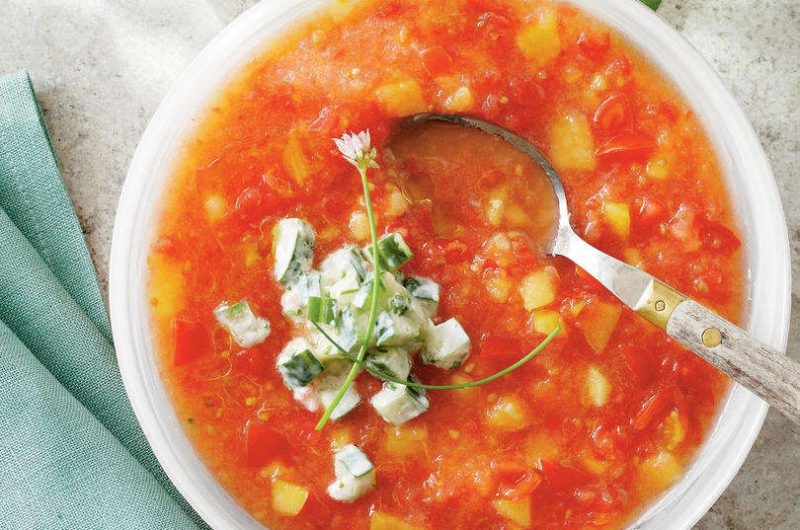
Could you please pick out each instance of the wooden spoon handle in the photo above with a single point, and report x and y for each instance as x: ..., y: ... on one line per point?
x: 766, y: 372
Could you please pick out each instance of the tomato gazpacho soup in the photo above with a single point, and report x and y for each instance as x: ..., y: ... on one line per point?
x: 272, y: 272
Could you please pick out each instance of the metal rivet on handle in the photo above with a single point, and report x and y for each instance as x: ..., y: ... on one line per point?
x: 660, y: 305
x: 712, y: 337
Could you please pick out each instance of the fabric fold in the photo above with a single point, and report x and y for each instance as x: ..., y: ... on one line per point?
x: 72, y: 454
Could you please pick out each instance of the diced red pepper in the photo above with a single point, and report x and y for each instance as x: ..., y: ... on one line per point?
x: 515, y: 480
x: 626, y: 146
x: 192, y: 341
x: 612, y: 113
x: 436, y: 60
x: 594, y: 45
x: 650, y: 409
x: 264, y: 443
x: 717, y: 236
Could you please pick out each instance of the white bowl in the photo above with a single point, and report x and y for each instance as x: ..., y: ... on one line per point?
x: 746, y: 170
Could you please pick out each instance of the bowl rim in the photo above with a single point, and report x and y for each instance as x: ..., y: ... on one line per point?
x: 683, y: 504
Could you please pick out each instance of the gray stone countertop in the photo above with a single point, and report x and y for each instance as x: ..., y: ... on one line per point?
x: 101, y: 67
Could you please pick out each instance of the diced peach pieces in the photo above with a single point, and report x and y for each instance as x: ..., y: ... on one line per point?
x: 618, y: 217
x: 538, y: 40
x: 632, y: 256
x: 461, y: 100
x: 539, y: 446
x: 495, y: 205
x: 405, y: 441
x: 384, y: 521
x: 673, y: 429
x: 597, y: 322
x: 571, y: 143
x: 660, y: 470
x: 168, y: 286
x: 538, y: 288
x: 341, y: 436
x: 597, y: 387
x: 214, y: 206
x: 545, y: 321
x: 509, y: 414
x: 658, y: 168
x: 359, y: 226
x: 518, y: 511
x: 396, y: 203
x: 339, y: 9
x: 294, y: 159
x: 499, y: 286
x: 287, y: 498
x: 401, y: 99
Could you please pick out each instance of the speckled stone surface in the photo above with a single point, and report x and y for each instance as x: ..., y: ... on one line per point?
x: 101, y: 67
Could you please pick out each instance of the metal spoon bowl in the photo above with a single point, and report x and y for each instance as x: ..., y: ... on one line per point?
x: 763, y: 370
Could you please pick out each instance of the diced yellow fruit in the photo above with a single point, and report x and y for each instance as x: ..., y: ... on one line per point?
x: 167, y: 287
x: 537, y: 289
x: 576, y: 306
x: 537, y: 447
x: 461, y: 100
x: 341, y: 436
x: 359, y: 226
x: 499, y: 287
x: 597, y: 387
x: 571, y: 74
x: 294, y: 159
x: 658, y: 168
x: 329, y: 233
x: 598, y: 467
x: 404, y: 441
x: 215, y: 207
x: 545, y: 321
x: 661, y: 470
x: 384, y: 521
x: 287, y: 498
x: 538, y: 41
x: 571, y: 143
x: 633, y: 257
x: 401, y: 99
x: 515, y: 215
x: 339, y: 9
x: 674, y: 431
x: 618, y: 217
x: 460, y: 379
x: 508, y: 414
x: 518, y: 511
x: 598, y: 322
x: 397, y: 204
x: 495, y: 205
x: 498, y: 248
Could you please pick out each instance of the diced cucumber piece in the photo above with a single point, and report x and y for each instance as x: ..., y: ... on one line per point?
x: 307, y: 396
x: 391, y: 361
x: 393, y: 330
x: 245, y: 328
x: 353, y: 461
x: 321, y: 310
x: 446, y: 345
x: 363, y: 296
x: 297, y: 364
x: 355, y: 474
x: 393, y: 251
x: 343, y: 271
x: 328, y: 386
x: 398, y: 404
x: 422, y: 288
x: 399, y: 305
x: 293, y: 244
x: 347, y: 329
x: 326, y: 353
x: 295, y: 299
x: 425, y: 291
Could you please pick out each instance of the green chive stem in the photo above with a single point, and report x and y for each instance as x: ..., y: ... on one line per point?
x: 373, y: 308
x: 497, y: 375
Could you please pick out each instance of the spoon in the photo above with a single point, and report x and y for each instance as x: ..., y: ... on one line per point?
x: 763, y: 370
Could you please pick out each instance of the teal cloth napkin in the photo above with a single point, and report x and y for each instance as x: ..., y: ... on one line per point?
x: 72, y: 455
